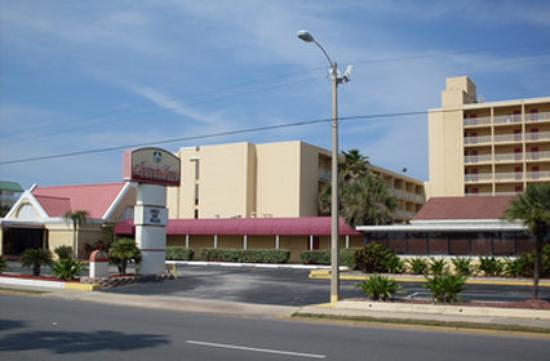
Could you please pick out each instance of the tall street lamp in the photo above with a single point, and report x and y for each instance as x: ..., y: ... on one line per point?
x: 336, y: 80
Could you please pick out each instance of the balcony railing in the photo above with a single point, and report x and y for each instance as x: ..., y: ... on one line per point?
x: 515, y: 137
x: 477, y: 139
x: 477, y: 121
x: 507, y: 119
x: 537, y: 117
x: 538, y: 155
x: 506, y: 176
x: 535, y: 175
x: 534, y: 136
x: 324, y: 175
x: 479, y: 177
x: 472, y: 159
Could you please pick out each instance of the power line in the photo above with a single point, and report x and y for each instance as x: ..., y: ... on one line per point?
x: 206, y: 136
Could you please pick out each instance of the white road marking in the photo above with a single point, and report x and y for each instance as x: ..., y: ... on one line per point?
x: 253, y: 349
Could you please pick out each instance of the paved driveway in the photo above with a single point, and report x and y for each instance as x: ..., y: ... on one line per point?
x: 287, y: 287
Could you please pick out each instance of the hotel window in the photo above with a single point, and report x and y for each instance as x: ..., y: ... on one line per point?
x: 534, y: 114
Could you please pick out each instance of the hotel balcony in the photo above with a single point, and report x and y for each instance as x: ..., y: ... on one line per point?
x: 537, y: 117
x: 544, y: 155
x: 508, y: 157
x: 508, y: 176
x: 477, y: 140
x: 479, y: 177
x: 507, y: 119
x: 325, y: 175
x: 472, y: 122
x: 538, y: 175
x: 504, y: 138
x: 408, y: 196
x: 537, y: 136
x: 475, y: 159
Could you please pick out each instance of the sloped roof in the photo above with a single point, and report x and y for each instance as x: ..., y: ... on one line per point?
x: 296, y: 226
x: 93, y: 198
x: 455, y: 208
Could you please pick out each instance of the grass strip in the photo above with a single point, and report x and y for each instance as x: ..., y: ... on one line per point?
x: 408, y: 321
x: 19, y: 291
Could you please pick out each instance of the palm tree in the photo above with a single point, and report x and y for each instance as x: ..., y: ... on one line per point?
x: 533, y: 209
x: 36, y: 258
x: 353, y: 164
x: 77, y: 218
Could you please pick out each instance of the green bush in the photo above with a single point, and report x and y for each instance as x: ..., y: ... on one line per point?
x: 246, y: 256
x: 347, y: 257
x: 524, y: 265
x: 491, y: 266
x: 67, y: 269
x: 36, y: 258
x: 395, y: 265
x: 379, y: 287
x: 122, y: 251
x: 3, y: 264
x: 418, y: 266
x: 179, y: 254
x: 375, y: 258
x: 64, y: 252
x: 445, y: 287
x: 438, y: 266
x: 463, y: 266
x: 516, y: 267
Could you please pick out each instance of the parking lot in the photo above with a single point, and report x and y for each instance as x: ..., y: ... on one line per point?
x: 289, y: 287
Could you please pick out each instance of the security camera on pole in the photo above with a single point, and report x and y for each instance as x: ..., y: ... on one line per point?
x: 153, y: 169
x: 337, y: 79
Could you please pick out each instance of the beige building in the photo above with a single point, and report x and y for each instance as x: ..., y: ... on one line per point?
x: 266, y: 180
x: 486, y: 148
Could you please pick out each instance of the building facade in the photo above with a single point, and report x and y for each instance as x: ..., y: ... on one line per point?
x: 243, y: 180
x: 486, y: 148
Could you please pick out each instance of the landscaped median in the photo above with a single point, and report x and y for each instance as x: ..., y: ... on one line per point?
x: 498, y: 281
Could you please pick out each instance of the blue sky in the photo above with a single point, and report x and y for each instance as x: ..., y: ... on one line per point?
x: 93, y: 74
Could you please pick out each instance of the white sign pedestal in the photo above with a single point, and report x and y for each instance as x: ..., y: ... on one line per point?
x: 150, y: 219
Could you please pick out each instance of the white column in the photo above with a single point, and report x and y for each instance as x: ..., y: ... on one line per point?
x: 150, y: 217
x: 245, y: 242
x: 311, y: 242
x: 347, y: 241
x: 277, y: 242
x: 215, y: 241
x: 187, y: 241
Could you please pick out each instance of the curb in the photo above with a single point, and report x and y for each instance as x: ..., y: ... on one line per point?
x: 324, y: 275
x: 253, y: 265
x: 48, y: 284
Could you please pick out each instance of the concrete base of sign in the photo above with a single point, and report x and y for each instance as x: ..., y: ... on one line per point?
x: 99, y: 270
x: 152, y: 262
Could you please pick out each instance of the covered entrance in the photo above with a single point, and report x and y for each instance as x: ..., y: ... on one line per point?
x: 17, y: 238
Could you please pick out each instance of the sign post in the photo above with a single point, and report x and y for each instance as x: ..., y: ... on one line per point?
x: 153, y: 169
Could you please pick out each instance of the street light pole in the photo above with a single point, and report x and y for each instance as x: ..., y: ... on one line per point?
x: 334, y: 229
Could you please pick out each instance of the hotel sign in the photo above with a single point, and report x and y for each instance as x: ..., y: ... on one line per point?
x: 152, y: 165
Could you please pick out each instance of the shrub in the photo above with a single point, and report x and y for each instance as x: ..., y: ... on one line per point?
x: 418, y: 266
x: 514, y: 267
x: 315, y: 257
x: 463, y: 266
x: 123, y: 251
x: 445, y: 287
x: 67, y: 269
x: 379, y: 287
x: 438, y: 266
x: 347, y: 258
x: 246, y: 256
x: 64, y: 252
x: 375, y: 258
x: 395, y: 265
x: 490, y: 266
x: 179, y: 254
x: 3, y: 264
x: 36, y: 258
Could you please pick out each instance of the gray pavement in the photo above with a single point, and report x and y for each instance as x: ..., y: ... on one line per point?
x: 42, y: 328
x: 289, y: 287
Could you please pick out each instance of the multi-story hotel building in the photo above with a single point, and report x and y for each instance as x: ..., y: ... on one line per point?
x: 486, y: 148
x: 280, y: 179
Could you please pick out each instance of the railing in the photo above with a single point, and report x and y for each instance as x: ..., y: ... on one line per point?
x: 477, y: 121
x: 534, y: 136
x: 324, y: 175
x: 477, y: 139
x: 514, y: 137
x: 469, y: 159
x: 509, y: 176
x: 507, y: 119
x: 537, y: 117
x: 538, y: 155
x: 534, y: 175
x: 478, y: 177
x: 503, y: 157
x: 408, y: 196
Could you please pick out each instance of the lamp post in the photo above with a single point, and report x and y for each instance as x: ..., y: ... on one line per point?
x: 334, y: 229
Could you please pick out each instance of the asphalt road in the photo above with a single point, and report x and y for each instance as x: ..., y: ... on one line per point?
x: 290, y: 287
x: 43, y: 329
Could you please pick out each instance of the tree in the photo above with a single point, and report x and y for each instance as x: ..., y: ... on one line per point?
x: 122, y: 251
x: 533, y: 209
x: 77, y: 218
x: 36, y: 258
x: 364, y: 197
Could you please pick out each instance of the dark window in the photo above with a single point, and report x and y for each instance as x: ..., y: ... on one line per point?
x: 417, y: 243
x: 459, y: 243
x: 438, y: 243
x: 196, y: 213
x: 481, y: 244
x: 397, y: 242
x: 504, y: 244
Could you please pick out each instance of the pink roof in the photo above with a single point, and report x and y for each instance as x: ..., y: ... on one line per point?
x: 299, y: 226
x: 93, y: 198
x: 474, y: 207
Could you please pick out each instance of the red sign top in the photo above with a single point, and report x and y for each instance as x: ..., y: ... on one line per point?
x: 152, y: 165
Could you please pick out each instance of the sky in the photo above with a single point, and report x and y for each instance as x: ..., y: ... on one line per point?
x: 86, y: 75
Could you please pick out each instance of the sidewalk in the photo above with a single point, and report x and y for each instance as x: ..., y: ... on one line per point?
x: 408, y: 278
